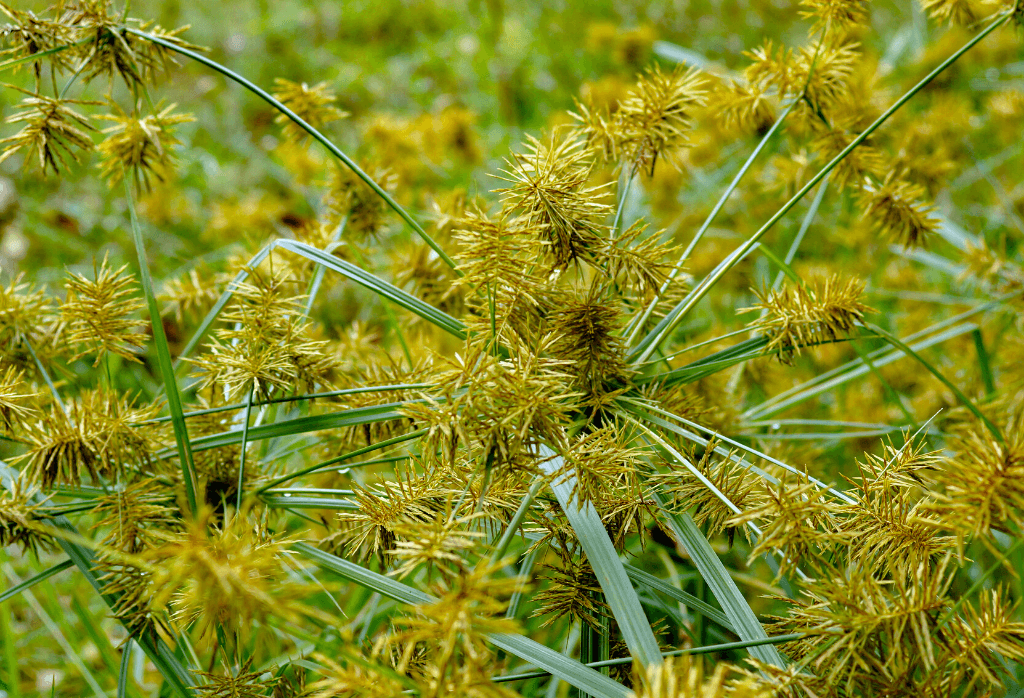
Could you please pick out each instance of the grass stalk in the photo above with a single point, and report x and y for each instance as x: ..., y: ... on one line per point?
x: 656, y: 336
x: 317, y: 136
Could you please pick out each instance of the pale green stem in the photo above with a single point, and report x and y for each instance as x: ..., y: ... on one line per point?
x: 517, y: 519
x: 46, y: 377
x: 811, y: 213
x: 241, y: 455
x: 319, y: 137
x: 658, y: 334
x: 635, y: 329
x: 623, y: 195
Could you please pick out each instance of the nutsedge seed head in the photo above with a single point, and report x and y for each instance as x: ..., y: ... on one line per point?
x: 801, y: 316
x: 96, y: 315
x: 897, y: 211
x: 981, y: 486
x: 101, y: 435
x: 314, y: 105
x: 140, y: 145
x: 549, y: 189
x: 52, y: 131
x: 227, y: 573
x: 24, y: 314
x: 834, y: 16
x: 20, y: 517
x: 15, y: 405
x: 653, y: 120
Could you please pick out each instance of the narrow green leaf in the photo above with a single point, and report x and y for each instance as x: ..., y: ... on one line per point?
x: 805, y: 225
x: 242, y: 449
x: 567, y: 669
x: 319, y: 137
x: 638, y: 409
x: 783, y: 266
x: 36, y: 56
x: 304, y: 425
x: 32, y: 581
x: 163, y: 354
x: 286, y: 502
x: 722, y: 586
x: 122, y: 675
x: 713, y: 363
x: 297, y: 398
x: 382, y: 288
x: 603, y: 558
x: 513, y: 525
x: 706, y: 649
x: 344, y: 457
x: 691, y: 601
x: 984, y: 365
x: 964, y: 400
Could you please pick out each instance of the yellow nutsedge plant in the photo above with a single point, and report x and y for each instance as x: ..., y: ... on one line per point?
x: 365, y: 429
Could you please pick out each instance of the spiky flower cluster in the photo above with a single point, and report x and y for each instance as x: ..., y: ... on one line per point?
x: 311, y: 104
x: 227, y: 574
x: 651, y: 122
x: 142, y: 146
x: 266, y: 347
x: 98, y: 435
x: 801, y: 316
x: 97, y: 313
x: 22, y: 519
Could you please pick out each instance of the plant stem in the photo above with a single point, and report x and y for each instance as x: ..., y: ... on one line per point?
x: 241, y: 455
x: 643, y: 317
x: 317, y: 136
x: 646, y: 347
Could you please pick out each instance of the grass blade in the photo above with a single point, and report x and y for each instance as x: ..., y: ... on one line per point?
x: 603, y: 558
x: 344, y: 457
x: 122, y: 675
x: 380, y: 287
x: 319, y: 137
x: 691, y: 601
x: 964, y: 400
x: 163, y: 354
x: 812, y: 211
x: 713, y: 363
x: 706, y: 649
x: 654, y: 338
x: 513, y: 525
x: 722, y: 586
x: 304, y: 425
x: 32, y: 581
x: 984, y: 365
x: 569, y: 670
